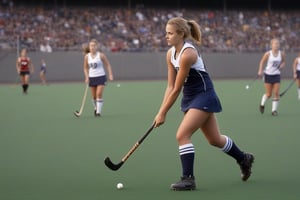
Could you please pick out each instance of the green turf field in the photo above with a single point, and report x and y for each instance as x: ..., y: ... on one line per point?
x: 46, y: 153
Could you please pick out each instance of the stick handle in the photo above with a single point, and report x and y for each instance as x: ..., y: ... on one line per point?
x: 137, y: 144
x: 84, y: 98
x: 289, y: 86
x: 146, y: 134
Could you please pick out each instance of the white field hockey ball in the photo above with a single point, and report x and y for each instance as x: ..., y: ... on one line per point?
x: 120, y: 186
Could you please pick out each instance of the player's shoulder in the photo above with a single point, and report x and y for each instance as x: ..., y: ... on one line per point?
x: 189, y: 52
x: 102, y: 55
x: 86, y: 56
x: 297, y: 58
x: 169, y: 53
x: 189, y: 46
x: 267, y: 54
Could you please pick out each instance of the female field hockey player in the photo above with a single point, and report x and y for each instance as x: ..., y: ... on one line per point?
x: 23, y: 65
x: 95, y: 75
x: 273, y: 61
x: 199, y: 103
x: 43, y: 72
x: 296, y: 73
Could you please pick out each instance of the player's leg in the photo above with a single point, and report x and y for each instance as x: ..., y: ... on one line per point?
x: 265, y: 97
x: 26, y: 82
x: 298, y: 83
x: 275, y: 101
x: 191, y: 122
x: 226, y: 144
x: 22, y: 81
x: 43, y: 76
x: 99, y: 99
x: 93, y: 93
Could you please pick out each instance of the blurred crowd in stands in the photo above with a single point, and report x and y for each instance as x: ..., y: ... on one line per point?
x: 143, y: 29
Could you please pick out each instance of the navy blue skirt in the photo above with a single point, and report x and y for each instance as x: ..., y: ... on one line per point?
x: 207, y: 101
x: 272, y: 78
x: 23, y: 73
x: 43, y: 69
x: 95, y: 81
x: 298, y: 74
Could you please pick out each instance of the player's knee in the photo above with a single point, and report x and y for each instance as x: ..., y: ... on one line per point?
x: 216, y: 142
x: 181, y: 138
x: 178, y: 138
x: 213, y: 143
x: 268, y: 95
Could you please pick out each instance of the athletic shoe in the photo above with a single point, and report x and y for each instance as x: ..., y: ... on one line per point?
x: 246, y: 165
x: 186, y: 183
x: 274, y: 113
x: 97, y: 115
x: 261, y: 109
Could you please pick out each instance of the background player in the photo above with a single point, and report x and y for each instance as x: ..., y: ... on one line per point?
x: 186, y: 71
x: 23, y: 65
x: 43, y: 72
x: 296, y: 73
x: 95, y: 74
x: 273, y: 61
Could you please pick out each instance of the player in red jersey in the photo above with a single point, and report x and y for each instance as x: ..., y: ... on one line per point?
x: 23, y: 69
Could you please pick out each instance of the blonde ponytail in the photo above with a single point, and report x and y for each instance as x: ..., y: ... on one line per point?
x: 195, y: 31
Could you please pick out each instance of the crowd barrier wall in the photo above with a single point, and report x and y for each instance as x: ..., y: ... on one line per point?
x: 68, y: 66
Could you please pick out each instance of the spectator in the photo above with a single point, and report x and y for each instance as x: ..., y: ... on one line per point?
x: 140, y: 29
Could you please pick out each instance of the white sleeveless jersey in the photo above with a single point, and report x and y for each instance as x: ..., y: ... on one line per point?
x: 298, y: 64
x: 95, y: 64
x: 273, y: 64
x: 198, y: 65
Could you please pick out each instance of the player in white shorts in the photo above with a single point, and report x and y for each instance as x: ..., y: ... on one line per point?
x: 296, y: 72
x: 273, y: 61
x: 95, y: 74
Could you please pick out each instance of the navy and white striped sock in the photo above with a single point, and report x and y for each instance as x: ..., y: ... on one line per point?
x: 231, y: 149
x: 187, y: 153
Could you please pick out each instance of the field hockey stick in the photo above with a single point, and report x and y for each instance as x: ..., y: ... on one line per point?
x: 251, y: 82
x: 78, y: 113
x: 289, y: 86
x: 115, y: 167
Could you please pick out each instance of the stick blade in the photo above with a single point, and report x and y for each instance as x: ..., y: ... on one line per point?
x: 111, y: 165
x: 76, y: 113
x: 281, y: 94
